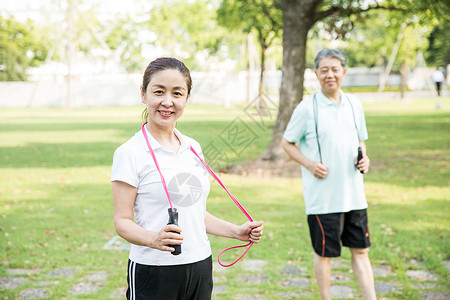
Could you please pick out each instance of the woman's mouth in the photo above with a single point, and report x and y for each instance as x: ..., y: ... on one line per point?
x: 165, y: 113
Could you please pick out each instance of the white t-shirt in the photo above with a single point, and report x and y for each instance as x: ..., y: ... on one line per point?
x: 188, y: 185
x: 437, y: 76
x: 343, y: 188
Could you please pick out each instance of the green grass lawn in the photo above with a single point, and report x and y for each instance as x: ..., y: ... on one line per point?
x: 372, y: 89
x: 56, y: 204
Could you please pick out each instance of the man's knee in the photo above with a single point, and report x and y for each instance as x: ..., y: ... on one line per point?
x: 321, y: 259
x: 360, y: 251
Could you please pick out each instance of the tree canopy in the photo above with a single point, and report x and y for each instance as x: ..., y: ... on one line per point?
x: 299, y: 16
x: 21, y: 46
x: 259, y: 16
x: 371, y: 42
x: 122, y: 37
x: 438, y: 51
x: 188, y: 30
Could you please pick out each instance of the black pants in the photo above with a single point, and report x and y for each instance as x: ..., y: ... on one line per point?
x: 438, y: 87
x: 180, y: 282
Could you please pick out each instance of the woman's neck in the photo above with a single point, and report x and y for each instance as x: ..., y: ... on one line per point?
x: 166, y: 137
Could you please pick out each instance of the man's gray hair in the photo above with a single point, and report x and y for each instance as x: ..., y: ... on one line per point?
x: 331, y: 53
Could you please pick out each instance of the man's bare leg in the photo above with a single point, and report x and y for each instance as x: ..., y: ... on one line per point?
x: 322, y: 269
x: 363, y: 272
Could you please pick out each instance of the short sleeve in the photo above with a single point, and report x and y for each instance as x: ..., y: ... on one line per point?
x: 362, y: 127
x: 360, y: 119
x: 124, y: 166
x: 296, y: 127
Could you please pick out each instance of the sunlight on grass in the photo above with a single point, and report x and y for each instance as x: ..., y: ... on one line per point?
x: 24, y: 138
x: 56, y: 203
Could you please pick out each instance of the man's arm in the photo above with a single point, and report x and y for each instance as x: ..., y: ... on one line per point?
x: 318, y: 169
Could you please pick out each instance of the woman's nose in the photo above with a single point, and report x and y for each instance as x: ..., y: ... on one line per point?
x: 167, y: 101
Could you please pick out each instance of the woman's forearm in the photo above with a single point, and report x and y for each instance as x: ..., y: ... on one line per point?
x: 220, y: 227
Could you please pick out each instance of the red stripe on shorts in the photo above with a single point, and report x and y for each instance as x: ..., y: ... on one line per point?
x: 323, y: 235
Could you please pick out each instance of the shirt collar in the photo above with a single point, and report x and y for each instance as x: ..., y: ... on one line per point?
x: 324, y: 101
x: 155, y: 145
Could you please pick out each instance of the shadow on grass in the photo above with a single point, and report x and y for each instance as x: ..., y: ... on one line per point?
x: 406, y: 150
x: 53, y: 154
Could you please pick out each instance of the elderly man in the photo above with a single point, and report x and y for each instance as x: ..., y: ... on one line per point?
x: 331, y: 129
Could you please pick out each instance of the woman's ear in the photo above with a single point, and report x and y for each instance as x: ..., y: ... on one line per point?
x: 142, y: 95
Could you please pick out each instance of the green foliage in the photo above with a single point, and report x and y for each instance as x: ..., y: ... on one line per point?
x: 123, y: 37
x: 345, y: 13
x: 427, y: 11
x: 262, y: 17
x: 22, y: 46
x: 438, y: 52
x: 370, y: 30
x: 371, y: 42
x: 188, y: 30
x: 363, y: 49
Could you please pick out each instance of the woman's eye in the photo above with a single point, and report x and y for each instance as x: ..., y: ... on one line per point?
x: 158, y: 92
x: 178, y: 94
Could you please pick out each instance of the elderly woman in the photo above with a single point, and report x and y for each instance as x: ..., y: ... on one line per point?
x: 156, y: 155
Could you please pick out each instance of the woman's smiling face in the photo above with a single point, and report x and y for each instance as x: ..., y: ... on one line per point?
x: 166, y: 96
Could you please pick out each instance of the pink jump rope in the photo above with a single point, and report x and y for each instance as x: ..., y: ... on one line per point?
x: 173, y: 214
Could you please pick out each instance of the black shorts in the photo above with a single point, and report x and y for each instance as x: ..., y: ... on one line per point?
x: 328, y: 230
x: 190, y: 281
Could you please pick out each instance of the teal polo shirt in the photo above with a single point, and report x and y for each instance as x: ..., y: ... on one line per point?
x: 343, y: 188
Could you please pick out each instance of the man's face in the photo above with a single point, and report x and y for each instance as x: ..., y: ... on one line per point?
x: 330, y: 74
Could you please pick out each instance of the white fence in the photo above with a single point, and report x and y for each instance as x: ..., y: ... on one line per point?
x: 214, y: 87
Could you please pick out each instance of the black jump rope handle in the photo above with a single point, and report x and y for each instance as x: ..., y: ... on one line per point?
x: 360, y: 156
x: 173, y: 219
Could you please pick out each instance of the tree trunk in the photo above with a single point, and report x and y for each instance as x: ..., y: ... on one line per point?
x: 250, y: 68
x: 297, y: 20
x: 403, y: 73
x: 261, y: 77
x: 70, y: 51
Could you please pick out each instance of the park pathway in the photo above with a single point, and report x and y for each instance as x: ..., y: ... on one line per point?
x: 295, y: 282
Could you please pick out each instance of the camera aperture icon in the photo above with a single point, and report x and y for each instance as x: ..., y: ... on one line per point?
x: 185, y: 189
